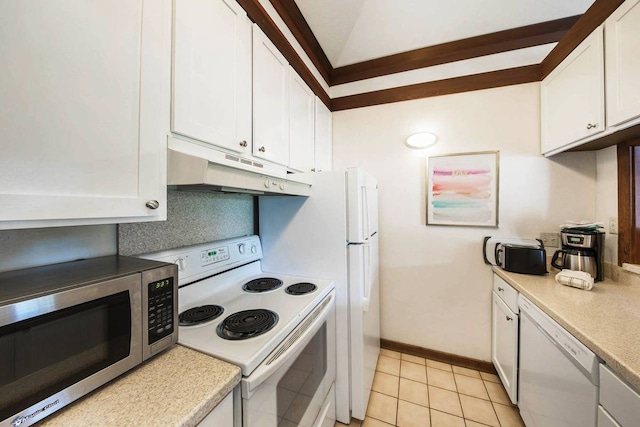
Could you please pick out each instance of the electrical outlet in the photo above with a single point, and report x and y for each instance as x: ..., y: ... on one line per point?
x: 550, y: 240
x: 613, y: 225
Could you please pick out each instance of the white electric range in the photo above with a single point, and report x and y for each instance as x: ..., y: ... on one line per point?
x: 280, y: 329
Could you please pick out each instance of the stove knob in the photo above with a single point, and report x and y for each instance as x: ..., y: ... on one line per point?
x: 267, y: 183
x: 282, y: 185
x: 181, y: 263
x: 242, y: 248
x: 254, y: 249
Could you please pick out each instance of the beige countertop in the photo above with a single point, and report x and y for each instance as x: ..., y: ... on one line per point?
x: 606, y: 319
x: 176, y: 388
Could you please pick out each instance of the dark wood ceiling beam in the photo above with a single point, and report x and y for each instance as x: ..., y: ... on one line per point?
x: 511, y: 76
x: 459, y: 50
x: 291, y: 15
x: 589, y: 21
x: 257, y: 14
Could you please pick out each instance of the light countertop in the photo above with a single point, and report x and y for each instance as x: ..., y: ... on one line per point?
x: 606, y: 319
x: 176, y: 388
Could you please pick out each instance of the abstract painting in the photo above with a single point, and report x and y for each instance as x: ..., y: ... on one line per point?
x: 462, y: 189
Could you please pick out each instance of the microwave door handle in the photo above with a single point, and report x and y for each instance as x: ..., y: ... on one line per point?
x: 286, y: 350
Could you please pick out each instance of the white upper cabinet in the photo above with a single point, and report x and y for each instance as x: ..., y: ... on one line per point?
x: 84, y: 111
x: 270, y: 101
x: 323, y: 137
x: 573, y: 96
x: 622, y: 58
x: 301, y: 124
x: 212, y: 73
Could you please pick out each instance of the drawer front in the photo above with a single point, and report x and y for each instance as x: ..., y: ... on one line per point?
x: 508, y: 294
x: 604, y: 419
x: 620, y: 400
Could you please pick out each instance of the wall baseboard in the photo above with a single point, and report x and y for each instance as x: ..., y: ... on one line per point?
x: 440, y: 356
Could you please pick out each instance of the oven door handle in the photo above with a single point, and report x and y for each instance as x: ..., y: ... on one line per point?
x: 292, y: 346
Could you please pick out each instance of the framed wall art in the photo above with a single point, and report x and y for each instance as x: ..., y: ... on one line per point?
x: 462, y: 189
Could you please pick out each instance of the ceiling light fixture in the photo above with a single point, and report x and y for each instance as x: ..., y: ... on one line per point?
x: 421, y: 140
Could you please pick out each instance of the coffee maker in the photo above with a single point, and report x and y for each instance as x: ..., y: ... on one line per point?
x: 582, y: 250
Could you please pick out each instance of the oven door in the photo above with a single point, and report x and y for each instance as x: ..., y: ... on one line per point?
x: 294, y: 385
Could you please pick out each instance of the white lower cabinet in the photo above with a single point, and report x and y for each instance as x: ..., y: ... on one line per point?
x: 221, y: 415
x: 84, y: 111
x: 504, y: 335
x: 619, y: 402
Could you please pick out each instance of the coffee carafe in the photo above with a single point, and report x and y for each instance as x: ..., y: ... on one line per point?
x: 582, y: 250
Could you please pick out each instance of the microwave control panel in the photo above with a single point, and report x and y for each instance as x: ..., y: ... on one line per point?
x: 160, y: 309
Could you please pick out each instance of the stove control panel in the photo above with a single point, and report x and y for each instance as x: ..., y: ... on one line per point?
x: 211, y: 256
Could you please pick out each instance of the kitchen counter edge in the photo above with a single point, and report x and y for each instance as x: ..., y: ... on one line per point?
x: 605, y: 319
x: 179, y: 387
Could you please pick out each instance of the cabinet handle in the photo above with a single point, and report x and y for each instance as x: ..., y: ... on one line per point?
x: 152, y: 204
x: 262, y: 149
x: 500, y: 289
x: 243, y: 143
x: 592, y: 126
x: 509, y: 318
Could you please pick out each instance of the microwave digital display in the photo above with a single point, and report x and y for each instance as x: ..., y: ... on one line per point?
x: 160, y: 309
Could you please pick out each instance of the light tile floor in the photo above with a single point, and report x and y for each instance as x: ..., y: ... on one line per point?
x: 410, y: 391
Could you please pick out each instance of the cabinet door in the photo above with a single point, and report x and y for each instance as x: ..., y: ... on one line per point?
x: 221, y: 415
x: 270, y: 100
x: 323, y: 143
x: 622, y: 59
x: 301, y: 124
x: 212, y: 73
x: 572, y: 96
x: 504, y: 346
x: 83, y: 111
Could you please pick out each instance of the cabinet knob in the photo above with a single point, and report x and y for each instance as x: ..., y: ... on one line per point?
x: 243, y: 143
x: 592, y: 125
x: 152, y: 204
x: 262, y: 149
x: 509, y: 318
x: 500, y: 289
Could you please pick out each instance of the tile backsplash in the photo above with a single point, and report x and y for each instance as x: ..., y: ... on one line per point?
x: 192, y: 218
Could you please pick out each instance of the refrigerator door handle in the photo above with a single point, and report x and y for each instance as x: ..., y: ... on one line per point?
x: 366, y: 297
x: 365, y: 213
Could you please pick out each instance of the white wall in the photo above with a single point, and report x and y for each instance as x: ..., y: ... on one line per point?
x: 40, y: 246
x: 435, y: 288
x: 607, y: 198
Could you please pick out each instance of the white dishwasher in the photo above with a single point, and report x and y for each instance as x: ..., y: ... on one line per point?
x: 558, y: 381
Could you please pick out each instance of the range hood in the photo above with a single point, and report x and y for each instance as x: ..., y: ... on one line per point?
x: 195, y: 168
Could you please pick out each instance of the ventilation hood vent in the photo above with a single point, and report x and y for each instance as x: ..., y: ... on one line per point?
x: 232, y: 174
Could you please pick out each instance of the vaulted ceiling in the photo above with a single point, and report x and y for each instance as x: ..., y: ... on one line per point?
x: 351, y: 31
x: 355, y: 53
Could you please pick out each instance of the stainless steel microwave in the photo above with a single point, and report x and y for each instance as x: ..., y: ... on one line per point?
x: 66, y: 329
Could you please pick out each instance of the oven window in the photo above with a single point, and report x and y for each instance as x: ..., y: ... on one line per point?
x: 297, y: 388
x: 45, y: 354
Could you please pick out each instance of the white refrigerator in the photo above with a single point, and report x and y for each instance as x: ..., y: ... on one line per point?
x: 333, y: 234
